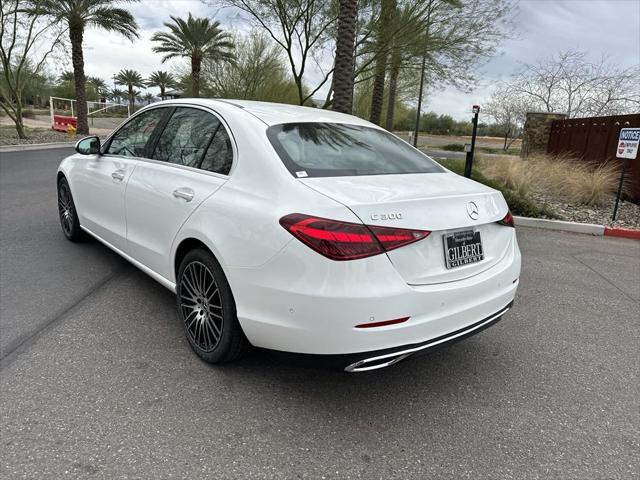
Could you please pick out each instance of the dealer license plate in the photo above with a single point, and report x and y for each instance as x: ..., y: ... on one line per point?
x: 462, y: 248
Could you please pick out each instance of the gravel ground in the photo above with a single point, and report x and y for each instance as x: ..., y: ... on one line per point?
x: 8, y: 136
x: 628, y: 213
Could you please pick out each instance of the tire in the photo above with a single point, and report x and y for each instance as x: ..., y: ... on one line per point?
x: 207, y: 310
x: 67, y: 213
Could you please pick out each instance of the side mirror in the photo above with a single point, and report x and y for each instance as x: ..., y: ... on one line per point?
x: 88, y: 146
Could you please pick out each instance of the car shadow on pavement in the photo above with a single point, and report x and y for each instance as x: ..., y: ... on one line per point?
x: 461, y: 373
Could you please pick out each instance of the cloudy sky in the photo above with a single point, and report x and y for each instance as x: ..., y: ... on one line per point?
x: 543, y: 27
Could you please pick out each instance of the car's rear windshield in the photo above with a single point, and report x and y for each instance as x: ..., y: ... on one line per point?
x: 337, y: 150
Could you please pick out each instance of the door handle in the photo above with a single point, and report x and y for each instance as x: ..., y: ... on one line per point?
x: 184, y: 193
x: 118, y: 175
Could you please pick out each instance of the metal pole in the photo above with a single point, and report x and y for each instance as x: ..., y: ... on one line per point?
x: 51, y: 110
x: 619, y: 194
x: 468, y: 165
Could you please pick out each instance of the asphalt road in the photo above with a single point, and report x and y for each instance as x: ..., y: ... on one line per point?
x: 97, y: 381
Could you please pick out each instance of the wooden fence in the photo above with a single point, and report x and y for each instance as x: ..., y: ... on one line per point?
x: 595, y: 139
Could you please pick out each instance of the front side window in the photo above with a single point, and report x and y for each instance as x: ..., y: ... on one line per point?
x: 336, y: 149
x: 132, y: 138
x: 186, y: 137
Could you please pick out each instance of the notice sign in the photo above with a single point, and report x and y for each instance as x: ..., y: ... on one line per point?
x: 628, y: 143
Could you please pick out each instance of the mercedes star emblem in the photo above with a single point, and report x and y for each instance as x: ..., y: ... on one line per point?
x: 472, y: 210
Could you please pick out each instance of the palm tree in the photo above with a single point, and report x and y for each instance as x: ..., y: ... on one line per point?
x: 148, y: 97
x: 405, y: 45
x: 78, y: 15
x: 384, y: 33
x: 66, y: 77
x: 196, y: 39
x: 99, y: 86
x: 65, y: 86
x: 344, y: 63
x: 116, y: 94
x: 131, y: 79
x: 162, y: 80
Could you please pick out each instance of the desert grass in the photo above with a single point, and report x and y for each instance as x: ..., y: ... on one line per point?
x: 565, y: 178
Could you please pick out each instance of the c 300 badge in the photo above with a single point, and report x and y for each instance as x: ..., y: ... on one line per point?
x: 386, y: 216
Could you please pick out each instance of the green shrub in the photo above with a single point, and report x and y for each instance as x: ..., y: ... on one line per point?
x: 28, y: 113
x: 498, y: 151
x: 452, y: 147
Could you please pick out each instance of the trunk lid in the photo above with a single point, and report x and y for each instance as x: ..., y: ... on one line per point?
x: 438, y: 202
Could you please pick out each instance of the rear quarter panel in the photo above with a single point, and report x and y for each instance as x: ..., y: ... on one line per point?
x: 239, y: 223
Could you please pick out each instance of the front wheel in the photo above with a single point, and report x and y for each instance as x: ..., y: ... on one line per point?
x: 67, y: 212
x: 207, y: 309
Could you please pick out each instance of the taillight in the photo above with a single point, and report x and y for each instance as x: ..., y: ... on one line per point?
x: 347, y: 241
x: 507, y: 221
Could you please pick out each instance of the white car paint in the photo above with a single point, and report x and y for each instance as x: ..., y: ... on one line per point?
x: 289, y: 297
x: 103, y: 213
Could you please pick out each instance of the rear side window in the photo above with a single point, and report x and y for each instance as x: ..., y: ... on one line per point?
x: 219, y: 156
x: 336, y: 149
x: 132, y: 138
x: 186, y: 137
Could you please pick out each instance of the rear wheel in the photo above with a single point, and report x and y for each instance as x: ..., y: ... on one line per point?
x: 67, y: 212
x: 207, y: 309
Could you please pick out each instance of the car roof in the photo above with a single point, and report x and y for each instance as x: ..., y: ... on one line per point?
x: 276, y: 113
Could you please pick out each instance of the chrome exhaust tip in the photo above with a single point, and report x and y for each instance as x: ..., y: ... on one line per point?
x: 375, y: 363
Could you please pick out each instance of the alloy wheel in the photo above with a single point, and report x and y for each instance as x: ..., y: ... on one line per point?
x: 201, y: 306
x: 65, y: 208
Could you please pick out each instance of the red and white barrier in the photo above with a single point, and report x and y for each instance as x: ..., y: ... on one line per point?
x: 61, y: 123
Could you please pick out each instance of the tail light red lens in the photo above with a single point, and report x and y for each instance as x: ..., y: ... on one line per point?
x: 347, y: 241
x: 507, y: 221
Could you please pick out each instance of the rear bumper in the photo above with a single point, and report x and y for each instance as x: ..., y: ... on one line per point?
x: 367, y: 361
x: 385, y: 358
x: 300, y: 302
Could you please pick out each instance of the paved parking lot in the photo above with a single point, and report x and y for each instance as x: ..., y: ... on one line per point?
x: 97, y: 380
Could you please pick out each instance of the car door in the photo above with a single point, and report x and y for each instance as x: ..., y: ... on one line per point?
x: 190, y: 160
x: 99, y: 184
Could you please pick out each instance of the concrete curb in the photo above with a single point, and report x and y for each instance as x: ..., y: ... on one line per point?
x: 588, y: 228
x: 34, y: 146
x: 622, y: 232
x: 585, y: 228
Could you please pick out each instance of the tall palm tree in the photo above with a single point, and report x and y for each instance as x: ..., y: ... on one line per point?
x: 196, y: 39
x: 78, y: 15
x: 162, y: 80
x: 344, y: 63
x: 66, y: 76
x: 405, y: 45
x: 383, y: 38
x: 131, y: 79
x: 99, y: 86
x: 116, y: 94
x: 65, y: 85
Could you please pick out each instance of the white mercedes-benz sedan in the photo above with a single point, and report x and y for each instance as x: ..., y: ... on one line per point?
x: 294, y: 229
